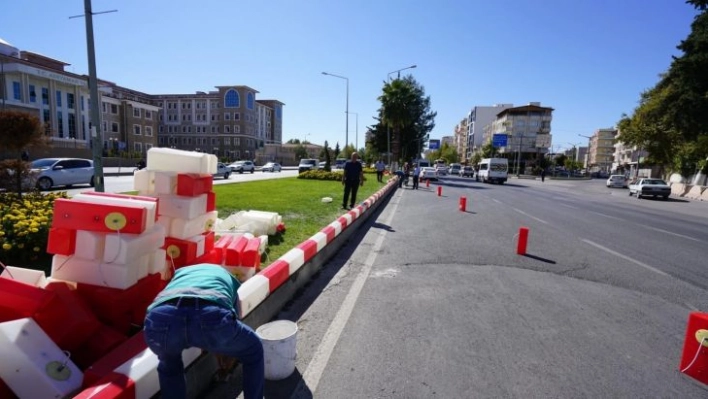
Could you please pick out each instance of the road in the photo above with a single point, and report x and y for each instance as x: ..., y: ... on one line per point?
x: 121, y: 184
x: 429, y: 301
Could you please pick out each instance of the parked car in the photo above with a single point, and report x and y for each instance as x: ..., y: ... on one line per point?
x: 243, y: 166
x: 271, y: 167
x: 455, y: 169
x: 51, y: 172
x: 428, y: 174
x: 222, y: 171
x: 650, y: 188
x: 307, y: 164
x: 617, y: 181
x: 466, y: 171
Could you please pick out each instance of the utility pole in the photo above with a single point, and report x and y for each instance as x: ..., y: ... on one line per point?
x: 96, y: 133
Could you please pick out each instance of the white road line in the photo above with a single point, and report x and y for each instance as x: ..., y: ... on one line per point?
x: 607, y: 216
x: 567, y: 206
x: 636, y: 262
x: 532, y: 217
x: 313, y: 373
x: 669, y: 232
x: 496, y: 200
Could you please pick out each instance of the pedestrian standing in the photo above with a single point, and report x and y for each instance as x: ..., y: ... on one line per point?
x: 416, y: 176
x: 379, y: 170
x: 352, y: 178
x: 543, y: 175
x: 198, y: 308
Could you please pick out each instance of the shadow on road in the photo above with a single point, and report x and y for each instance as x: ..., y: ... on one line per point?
x: 540, y: 258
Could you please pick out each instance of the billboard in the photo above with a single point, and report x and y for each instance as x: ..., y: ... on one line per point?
x: 434, y: 144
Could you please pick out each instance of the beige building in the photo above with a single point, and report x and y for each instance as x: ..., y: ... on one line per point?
x: 626, y: 158
x: 527, y: 128
x: 460, y: 140
x: 601, y: 150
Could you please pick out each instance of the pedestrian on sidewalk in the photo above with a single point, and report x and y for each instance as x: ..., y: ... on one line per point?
x: 543, y: 175
x: 379, y: 170
x: 416, y: 176
x: 199, y: 309
x: 352, y: 178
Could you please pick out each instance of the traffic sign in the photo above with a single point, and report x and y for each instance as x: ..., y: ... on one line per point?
x: 434, y: 144
x: 499, y: 140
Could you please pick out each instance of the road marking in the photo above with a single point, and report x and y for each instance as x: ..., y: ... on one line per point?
x: 532, y: 217
x: 625, y: 257
x: 607, y: 216
x: 567, y: 206
x: 311, y: 378
x: 496, y: 200
x: 669, y: 232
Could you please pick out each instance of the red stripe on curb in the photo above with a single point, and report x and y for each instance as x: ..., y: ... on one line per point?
x: 277, y: 273
x: 330, y: 232
x: 343, y: 221
x: 309, y: 247
x: 112, y: 386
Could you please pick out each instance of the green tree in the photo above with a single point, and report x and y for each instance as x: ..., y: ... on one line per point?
x: 21, y: 132
x: 336, y: 151
x: 560, y: 160
x: 325, y: 154
x: 293, y: 141
x: 300, y: 151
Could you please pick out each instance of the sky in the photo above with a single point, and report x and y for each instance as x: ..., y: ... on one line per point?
x: 588, y: 59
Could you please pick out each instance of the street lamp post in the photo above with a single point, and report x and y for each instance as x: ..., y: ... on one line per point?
x: 587, y: 164
x: 356, y: 131
x: 388, y: 128
x: 346, y: 111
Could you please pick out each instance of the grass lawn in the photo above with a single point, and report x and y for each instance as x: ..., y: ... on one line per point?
x: 298, y: 201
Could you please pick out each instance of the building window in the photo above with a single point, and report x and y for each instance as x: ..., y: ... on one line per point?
x: 45, y: 117
x: 33, y: 94
x: 60, y: 124
x: 231, y: 99
x: 278, y: 111
x: 161, y: 129
x: 104, y: 106
x: 237, y: 129
x: 227, y: 129
x: 82, y: 103
x: 227, y: 141
x: 114, y: 109
x: 17, y: 91
x: 72, y: 126
x: 137, y: 130
x: 45, y: 96
x: 138, y: 147
x: 227, y: 116
x: 58, y: 93
x: 250, y: 100
x: 148, y: 146
x: 214, y: 141
x: 136, y: 112
x: 237, y: 116
x: 70, y: 100
x: 237, y: 141
x: 148, y: 114
x: 114, y: 127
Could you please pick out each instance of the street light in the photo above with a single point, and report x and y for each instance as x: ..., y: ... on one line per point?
x: 388, y: 128
x: 356, y: 140
x: 587, y: 154
x: 346, y: 111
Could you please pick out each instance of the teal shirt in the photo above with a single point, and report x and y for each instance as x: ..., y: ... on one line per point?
x: 204, y: 281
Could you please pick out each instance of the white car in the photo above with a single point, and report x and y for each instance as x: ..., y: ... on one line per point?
x: 243, y: 166
x: 50, y: 172
x: 222, y: 171
x: 271, y: 167
x: 617, y: 181
x: 428, y: 174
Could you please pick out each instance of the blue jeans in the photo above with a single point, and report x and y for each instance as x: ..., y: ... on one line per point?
x: 169, y: 329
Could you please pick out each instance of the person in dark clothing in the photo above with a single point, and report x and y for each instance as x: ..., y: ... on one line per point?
x: 199, y: 308
x: 352, y: 178
x: 141, y: 164
x: 543, y: 175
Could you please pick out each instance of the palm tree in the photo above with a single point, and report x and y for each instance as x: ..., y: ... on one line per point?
x: 397, y: 110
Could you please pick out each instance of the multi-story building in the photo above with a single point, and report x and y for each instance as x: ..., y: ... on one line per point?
x: 626, y: 158
x: 477, y: 119
x: 228, y: 122
x: 528, y: 129
x: 460, y: 141
x: 601, y: 150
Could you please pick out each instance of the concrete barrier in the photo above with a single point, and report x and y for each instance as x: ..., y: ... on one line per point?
x: 695, y: 192
x: 678, y: 189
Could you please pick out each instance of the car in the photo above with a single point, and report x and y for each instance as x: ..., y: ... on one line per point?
x: 307, y: 164
x: 648, y: 187
x: 617, y: 181
x: 322, y: 165
x: 271, y: 167
x: 441, y: 170
x: 466, y: 171
x: 243, y: 166
x: 52, y: 172
x: 428, y: 173
x: 222, y: 171
x: 455, y: 169
x: 339, y: 163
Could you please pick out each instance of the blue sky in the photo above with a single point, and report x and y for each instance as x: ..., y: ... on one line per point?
x: 588, y: 59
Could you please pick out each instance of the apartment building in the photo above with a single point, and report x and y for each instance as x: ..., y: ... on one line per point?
x: 460, y: 140
x: 477, y: 119
x: 527, y: 128
x: 601, y: 150
x: 626, y: 158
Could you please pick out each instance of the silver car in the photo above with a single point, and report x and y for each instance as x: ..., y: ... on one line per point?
x: 617, y: 181
x: 271, y: 167
x: 51, y: 172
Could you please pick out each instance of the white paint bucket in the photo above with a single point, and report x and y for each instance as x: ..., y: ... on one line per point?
x: 279, y: 348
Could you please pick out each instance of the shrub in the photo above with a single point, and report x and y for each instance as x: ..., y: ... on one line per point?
x: 320, y: 175
x: 25, y: 225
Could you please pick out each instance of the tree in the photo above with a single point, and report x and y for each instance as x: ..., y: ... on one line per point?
x: 301, y: 151
x: 336, y: 150
x: 293, y: 141
x: 325, y: 154
x: 21, y: 132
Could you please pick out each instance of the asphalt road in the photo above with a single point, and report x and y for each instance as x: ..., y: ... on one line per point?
x: 429, y: 301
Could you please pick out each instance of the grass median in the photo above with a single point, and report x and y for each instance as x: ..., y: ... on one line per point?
x: 298, y: 201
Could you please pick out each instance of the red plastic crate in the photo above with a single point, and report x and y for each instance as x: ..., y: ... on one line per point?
x: 61, y: 241
x: 234, y: 251
x: 97, y: 346
x: 129, y: 197
x: 19, y: 300
x: 181, y: 252
x: 697, y: 323
x: 76, y: 215
x: 211, y: 201
x: 250, y: 256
